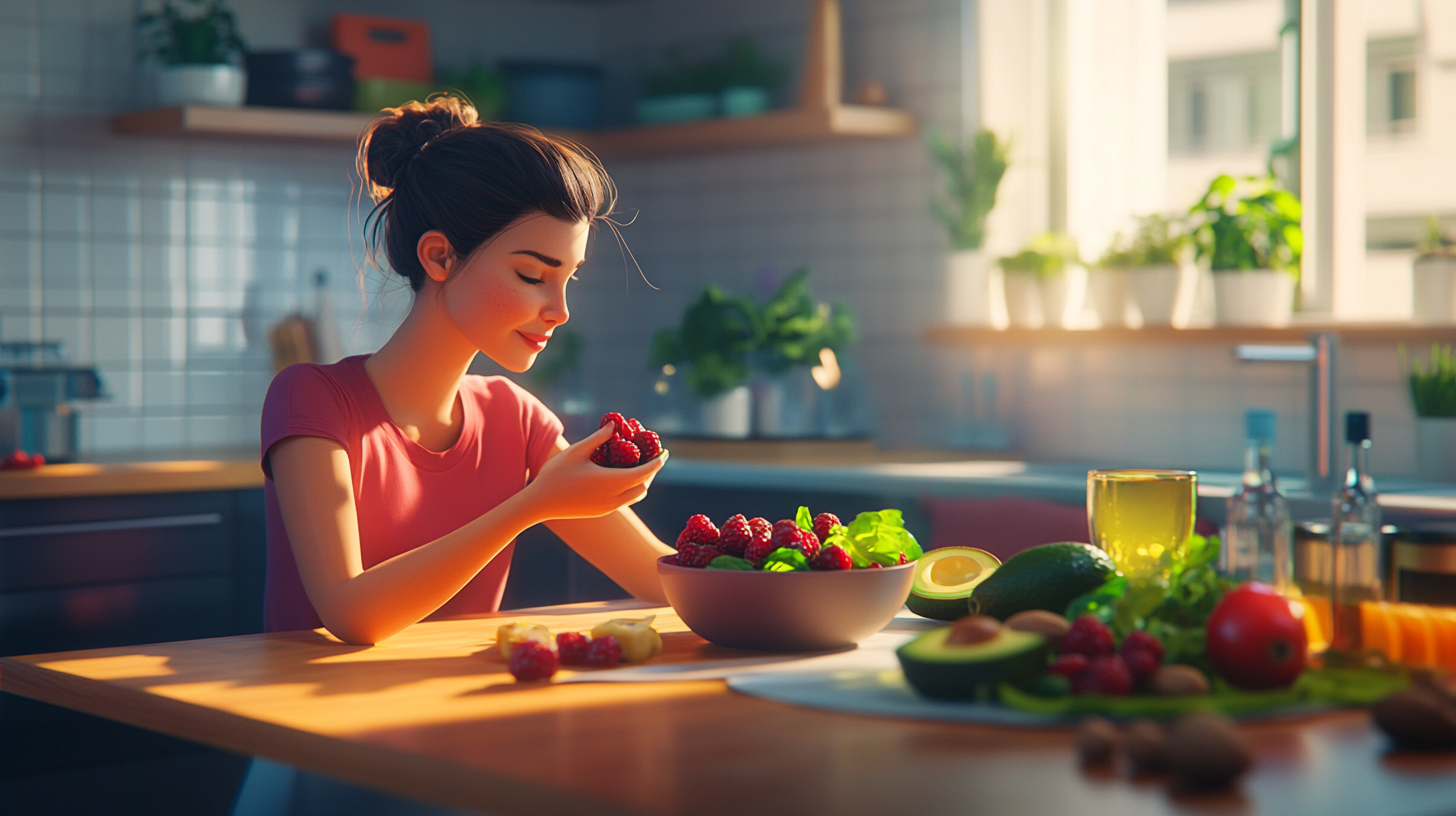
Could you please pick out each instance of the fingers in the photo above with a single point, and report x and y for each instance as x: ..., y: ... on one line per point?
x: 587, y: 445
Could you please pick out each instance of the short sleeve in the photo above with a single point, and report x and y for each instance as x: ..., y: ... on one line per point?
x: 303, y: 400
x: 542, y: 428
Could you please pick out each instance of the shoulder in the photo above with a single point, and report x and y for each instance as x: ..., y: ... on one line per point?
x: 310, y: 380
x: 501, y: 392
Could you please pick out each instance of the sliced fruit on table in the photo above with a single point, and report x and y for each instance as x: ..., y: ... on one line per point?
x: 941, y: 669
x: 639, y: 641
x: 1047, y: 577
x: 945, y: 578
x: 1417, y: 636
x: 1378, y: 630
x: 508, y: 635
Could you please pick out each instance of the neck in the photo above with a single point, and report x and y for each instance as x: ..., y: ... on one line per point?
x: 417, y: 372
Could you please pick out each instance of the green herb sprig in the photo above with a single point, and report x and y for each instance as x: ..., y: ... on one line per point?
x: 189, y: 32
x: 1046, y: 255
x: 1433, y: 382
x: 973, y: 173
x: 1160, y: 240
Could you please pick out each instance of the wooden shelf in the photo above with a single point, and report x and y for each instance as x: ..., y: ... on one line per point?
x: 1353, y: 333
x: 786, y: 127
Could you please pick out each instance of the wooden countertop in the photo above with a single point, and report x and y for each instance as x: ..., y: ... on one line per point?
x: 432, y: 715
x: 89, y: 479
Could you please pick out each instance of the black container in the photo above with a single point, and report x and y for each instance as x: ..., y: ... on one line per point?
x: 553, y: 94
x: 300, y: 78
x: 1425, y: 564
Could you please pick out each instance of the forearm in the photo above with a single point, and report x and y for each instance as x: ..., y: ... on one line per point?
x: 392, y: 595
x: 620, y: 545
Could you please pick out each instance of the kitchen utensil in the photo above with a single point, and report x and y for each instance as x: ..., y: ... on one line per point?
x: 785, y: 611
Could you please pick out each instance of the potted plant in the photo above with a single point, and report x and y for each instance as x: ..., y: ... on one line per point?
x: 1137, y: 280
x: 973, y: 173
x: 1248, y: 231
x: 1433, y: 278
x: 194, y: 53
x: 795, y: 331
x: 1433, y: 393
x: 717, y: 334
x: 749, y: 81
x: 1038, y: 283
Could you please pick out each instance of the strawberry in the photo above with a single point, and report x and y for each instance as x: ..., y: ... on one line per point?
x: 532, y: 660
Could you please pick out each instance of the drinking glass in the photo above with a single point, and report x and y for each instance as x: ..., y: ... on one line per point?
x: 1141, y: 518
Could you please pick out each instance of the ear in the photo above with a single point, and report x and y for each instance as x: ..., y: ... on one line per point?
x: 436, y: 255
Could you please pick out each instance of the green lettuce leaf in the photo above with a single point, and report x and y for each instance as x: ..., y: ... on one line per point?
x: 729, y: 562
x: 876, y: 538
x: 784, y: 559
x: 804, y: 520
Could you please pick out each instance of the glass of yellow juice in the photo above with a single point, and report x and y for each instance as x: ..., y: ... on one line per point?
x: 1141, y: 518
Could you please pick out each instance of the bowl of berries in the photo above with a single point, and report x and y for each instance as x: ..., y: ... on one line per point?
x: 801, y: 584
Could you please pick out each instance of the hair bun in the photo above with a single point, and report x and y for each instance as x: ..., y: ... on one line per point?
x: 393, y: 141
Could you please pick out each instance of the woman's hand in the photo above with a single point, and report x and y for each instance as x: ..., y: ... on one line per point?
x: 571, y: 486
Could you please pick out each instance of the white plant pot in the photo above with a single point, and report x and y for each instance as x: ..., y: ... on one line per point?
x: 1262, y: 297
x: 1023, y: 301
x: 1107, y: 289
x: 1433, y: 291
x: 1063, y: 298
x: 968, y: 288
x: 1436, y: 448
x: 224, y: 85
x: 1153, y: 291
x: 728, y: 415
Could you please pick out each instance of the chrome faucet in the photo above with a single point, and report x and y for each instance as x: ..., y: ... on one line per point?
x: 1321, y: 473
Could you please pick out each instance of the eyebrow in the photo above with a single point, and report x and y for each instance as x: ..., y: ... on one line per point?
x: 545, y: 259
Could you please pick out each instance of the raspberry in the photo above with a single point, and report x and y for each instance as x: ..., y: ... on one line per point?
x: 619, y: 429
x: 571, y: 646
x: 904, y: 559
x: 649, y: 444
x: 822, y: 523
x: 599, y: 455
x: 699, y: 530
x: 808, y: 544
x: 621, y: 453
x: 1087, y: 636
x: 874, y: 565
x: 785, y: 534
x: 1070, y: 665
x: 634, y: 430
x: 832, y: 557
x: 761, y: 527
x: 532, y: 660
x: 1143, y: 653
x: 735, y: 536
x: 1106, y: 674
x: 757, y: 551
x: 604, y: 652
x: 696, y: 555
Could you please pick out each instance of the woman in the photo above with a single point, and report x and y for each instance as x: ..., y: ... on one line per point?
x: 396, y: 482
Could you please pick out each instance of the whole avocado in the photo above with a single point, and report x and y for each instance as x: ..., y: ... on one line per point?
x: 1047, y: 577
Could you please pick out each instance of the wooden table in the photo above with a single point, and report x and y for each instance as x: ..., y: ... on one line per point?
x: 431, y: 714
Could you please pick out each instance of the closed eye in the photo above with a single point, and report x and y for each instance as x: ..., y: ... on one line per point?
x: 530, y: 280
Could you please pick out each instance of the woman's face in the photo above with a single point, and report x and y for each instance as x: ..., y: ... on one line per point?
x: 510, y: 295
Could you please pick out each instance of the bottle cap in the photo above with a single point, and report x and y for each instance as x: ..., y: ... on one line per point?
x: 1259, y: 425
x: 1357, y: 427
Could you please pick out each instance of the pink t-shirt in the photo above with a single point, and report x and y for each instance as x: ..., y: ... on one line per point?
x: 405, y: 495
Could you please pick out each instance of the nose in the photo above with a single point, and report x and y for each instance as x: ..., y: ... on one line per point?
x: 555, y: 312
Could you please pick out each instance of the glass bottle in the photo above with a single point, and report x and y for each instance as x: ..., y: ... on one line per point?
x: 1355, y: 540
x: 1258, y: 542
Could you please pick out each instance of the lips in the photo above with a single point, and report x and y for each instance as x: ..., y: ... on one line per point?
x: 535, y: 342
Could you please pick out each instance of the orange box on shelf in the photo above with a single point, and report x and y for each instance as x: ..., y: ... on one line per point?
x: 385, y: 47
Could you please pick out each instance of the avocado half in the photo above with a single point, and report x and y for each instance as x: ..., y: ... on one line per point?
x: 945, y: 579
x: 966, y: 672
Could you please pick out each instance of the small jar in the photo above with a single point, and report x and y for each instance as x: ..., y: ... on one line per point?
x: 1424, y: 565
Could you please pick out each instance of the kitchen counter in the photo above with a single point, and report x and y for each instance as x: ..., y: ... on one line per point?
x: 432, y: 715
x: 123, y: 478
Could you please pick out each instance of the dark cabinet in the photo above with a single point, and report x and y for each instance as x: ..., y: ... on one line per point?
x: 87, y: 572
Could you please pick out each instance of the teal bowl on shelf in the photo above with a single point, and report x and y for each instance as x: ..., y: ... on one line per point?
x: 683, y: 107
x: 743, y: 101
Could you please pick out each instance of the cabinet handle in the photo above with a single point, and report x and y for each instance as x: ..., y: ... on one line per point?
x: 196, y: 520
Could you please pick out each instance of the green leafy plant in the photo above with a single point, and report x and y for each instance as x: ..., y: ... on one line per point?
x: 745, y: 67
x: 741, y: 66
x: 718, y: 333
x: 1433, y: 382
x: 722, y: 335
x: 1435, y: 244
x: 794, y: 326
x: 1160, y: 240
x: 1046, y: 255
x: 1249, y: 223
x: 1175, y: 610
x: 973, y: 173
x: 189, y: 32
